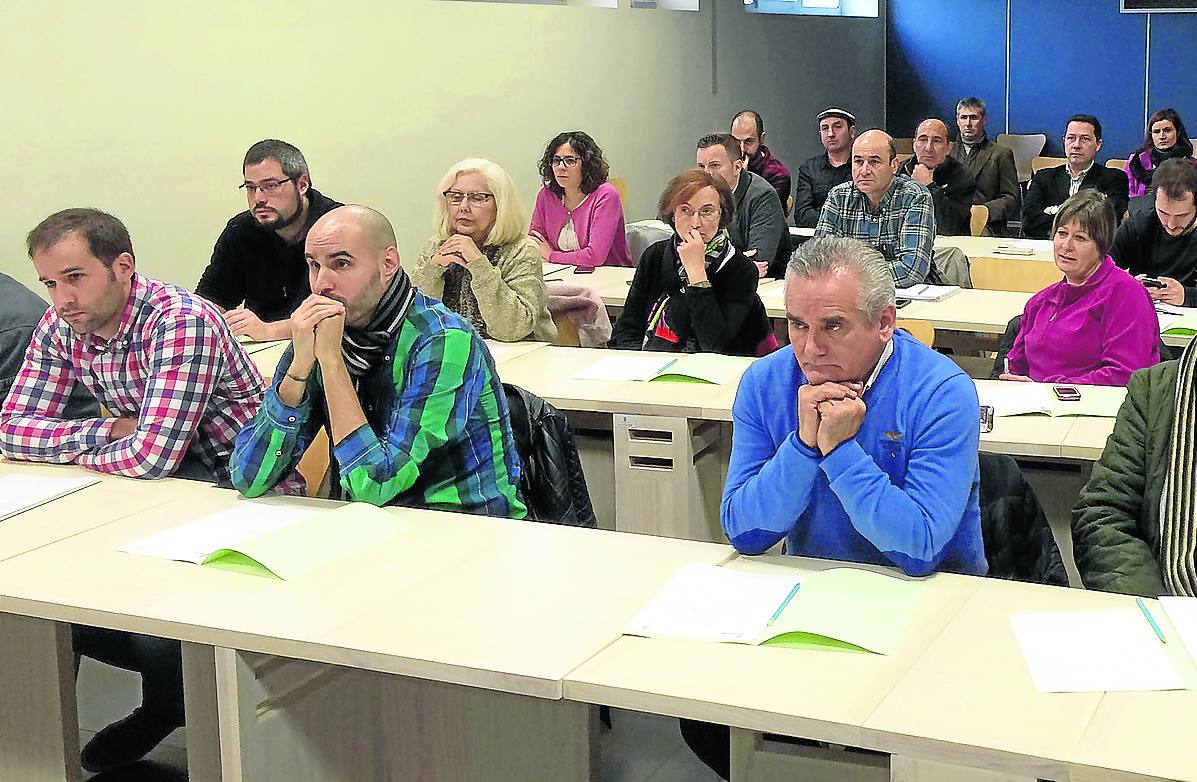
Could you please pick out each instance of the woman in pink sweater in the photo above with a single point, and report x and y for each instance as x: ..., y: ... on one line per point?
x: 1097, y: 325
x: 578, y: 217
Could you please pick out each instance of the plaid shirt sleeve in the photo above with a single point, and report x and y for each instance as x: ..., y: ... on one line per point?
x: 268, y: 450
x: 916, y: 239
x: 829, y: 216
x: 32, y: 428
x: 185, y: 370
x: 434, y: 405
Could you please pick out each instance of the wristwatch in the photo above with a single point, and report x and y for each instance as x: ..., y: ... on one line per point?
x: 701, y: 284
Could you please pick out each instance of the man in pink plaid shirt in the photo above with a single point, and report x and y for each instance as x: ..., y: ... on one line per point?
x: 177, y: 386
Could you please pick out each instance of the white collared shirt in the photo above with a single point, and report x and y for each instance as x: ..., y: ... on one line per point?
x: 1075, y: 184
x: 886, y: 352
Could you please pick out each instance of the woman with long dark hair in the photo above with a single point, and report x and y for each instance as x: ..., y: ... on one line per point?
x: 1166, y: 139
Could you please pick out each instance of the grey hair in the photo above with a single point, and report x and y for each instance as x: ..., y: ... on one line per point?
x: 971, y: 103
x: 832, y: 255
x: 289, y: 158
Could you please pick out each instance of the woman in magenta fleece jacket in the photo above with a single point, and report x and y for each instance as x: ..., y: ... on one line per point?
x: 578, y: 217
x: 1097, y: 325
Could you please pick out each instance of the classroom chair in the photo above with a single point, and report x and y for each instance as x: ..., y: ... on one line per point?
x: 1040, y: 163
x: 1118, y: 163
x: 621, y: 185
x: 921, y: 330
x: 1025, y: 146
x: 978, y: 219
x: 1012, y: 274
x: 905, y: 146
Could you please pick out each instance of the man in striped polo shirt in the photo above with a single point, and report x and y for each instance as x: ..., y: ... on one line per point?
x: 415, y: 411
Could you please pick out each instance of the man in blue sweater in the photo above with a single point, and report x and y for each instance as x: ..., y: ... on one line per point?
x: 861, y: 443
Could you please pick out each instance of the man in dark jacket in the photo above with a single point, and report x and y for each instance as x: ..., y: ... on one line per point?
x: 1161, y: 242
x: 748, y: 127
x: 758, y: 229
x: 991, y: 164
x: 1051, y: 187
x: 816, y: 177
x: 257, y: 275
x: 1128, y: 534
x: 952, y: 187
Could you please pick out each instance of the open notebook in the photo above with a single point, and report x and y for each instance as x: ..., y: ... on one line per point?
x: 20, y: 493
x: 844, y: 609
x: 1011, y: 398
x: 276, y: 541
x: 1176, y: 321
x: 686, y: 368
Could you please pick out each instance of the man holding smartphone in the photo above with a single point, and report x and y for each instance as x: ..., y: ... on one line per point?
x: 1159, y: 246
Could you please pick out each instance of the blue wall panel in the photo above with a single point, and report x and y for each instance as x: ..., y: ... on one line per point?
x: 1073, y: 56
x: 938, y: 52
x: 1173, y: 77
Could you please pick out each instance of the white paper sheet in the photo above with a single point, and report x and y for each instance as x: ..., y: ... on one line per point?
x: 22, y: 492
x: 1182, y: 612
x: 194, y: 541
x: 1012, y: 398
x: 1094, y: 651
x: 628, y: 366
x: 927, y: 292
x: 710, y: 603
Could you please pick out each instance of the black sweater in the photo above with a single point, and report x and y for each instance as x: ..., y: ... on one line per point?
x: 727, y: 317
x: 1142, y: 246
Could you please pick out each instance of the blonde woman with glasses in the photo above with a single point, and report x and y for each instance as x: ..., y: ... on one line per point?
x: 479, y: 261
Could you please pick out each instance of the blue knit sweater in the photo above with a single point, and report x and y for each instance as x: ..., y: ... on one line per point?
x: 902, y: 492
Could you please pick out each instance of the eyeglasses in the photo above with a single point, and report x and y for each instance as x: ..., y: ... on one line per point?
x: 706, y: 214
x: 569, y: 161
x: 267, y: 186
x: 455, y: 197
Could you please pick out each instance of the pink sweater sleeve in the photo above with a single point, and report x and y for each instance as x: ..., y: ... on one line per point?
x: 539, y: 226
x: 605, y: 220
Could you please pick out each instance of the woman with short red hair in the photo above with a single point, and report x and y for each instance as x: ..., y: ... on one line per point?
x: 694, y: 292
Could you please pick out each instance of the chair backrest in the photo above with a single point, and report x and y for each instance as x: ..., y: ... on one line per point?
x: 1025, y: 147
x: 621, y: 185
x: 314, y: 463
x: 1040, y: 163
x: 1117, y: 162
x: 903, y: 157
x: 978, y: 219
x: 921, y: 330
x: 1012, y: 274
x: 567, y: 331
x: 905, y: 146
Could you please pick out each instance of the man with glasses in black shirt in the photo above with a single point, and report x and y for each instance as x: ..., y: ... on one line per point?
x: 257, y: 275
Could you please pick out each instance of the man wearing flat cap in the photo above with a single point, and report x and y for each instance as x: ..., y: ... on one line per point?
x: 816, y: 177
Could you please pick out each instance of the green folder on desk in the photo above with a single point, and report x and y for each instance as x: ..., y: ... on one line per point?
x: 842, y: 609
x: 274, y: 541
x: 1184, y: 326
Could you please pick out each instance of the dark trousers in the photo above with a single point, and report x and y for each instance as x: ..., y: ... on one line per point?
x: 158, y: 660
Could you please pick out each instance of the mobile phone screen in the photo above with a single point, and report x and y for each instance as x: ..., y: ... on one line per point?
x: 1067, y: 393
x: 584, y: 270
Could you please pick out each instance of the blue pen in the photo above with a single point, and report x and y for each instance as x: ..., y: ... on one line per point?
x: 784, y: 603
x: 1150, y: 620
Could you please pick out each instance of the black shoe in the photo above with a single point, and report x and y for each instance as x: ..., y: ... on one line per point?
x: 128, y: 740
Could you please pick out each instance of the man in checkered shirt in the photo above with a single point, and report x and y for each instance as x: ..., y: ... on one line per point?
x: 177, y: 387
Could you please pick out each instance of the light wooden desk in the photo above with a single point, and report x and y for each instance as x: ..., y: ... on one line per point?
x: 821, y: 695
x: 969, y: 701
x: 654, y: 454
x: 611, y: 282
x: 987, y: 247
x: 504, y: 608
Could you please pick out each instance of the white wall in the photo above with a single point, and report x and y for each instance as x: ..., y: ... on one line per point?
x: 145, y: 108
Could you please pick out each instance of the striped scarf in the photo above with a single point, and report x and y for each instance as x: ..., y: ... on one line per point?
x: 363, y: 348
x: 1178, y: 503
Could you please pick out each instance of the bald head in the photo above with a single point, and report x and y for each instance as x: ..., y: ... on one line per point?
x: 352, y: 259
x: 931, y: 142
x: 748, y: 128
x: 370, y: 225
x: 873, y: 164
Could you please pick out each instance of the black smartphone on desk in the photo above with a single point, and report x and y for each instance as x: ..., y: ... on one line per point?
x: 900, y: 303
x: 986, y: 419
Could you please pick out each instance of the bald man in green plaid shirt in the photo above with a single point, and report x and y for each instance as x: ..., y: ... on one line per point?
x: 408, y: 390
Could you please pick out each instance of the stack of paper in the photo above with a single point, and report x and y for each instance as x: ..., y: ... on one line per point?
x: 1014, y: 248
x: 1182, y: 612
x: 22, y: 492
x: 1012, y: 398
x: 843, y: 608
x: 1177, y: 321
x: 688, y: 368
x: 272, y: 540
x: 928, y: 292
x: 1094, y: 651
